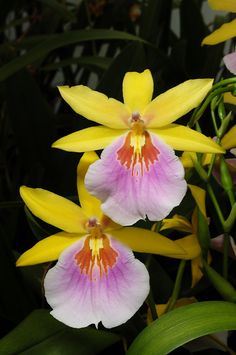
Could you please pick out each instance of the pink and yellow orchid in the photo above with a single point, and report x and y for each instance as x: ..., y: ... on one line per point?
x: 97, y: 277
x: 138, y: 174
x: 227, y: 30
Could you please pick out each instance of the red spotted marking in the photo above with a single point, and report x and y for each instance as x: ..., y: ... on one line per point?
x: 135, y: 157
x: 104, y: 257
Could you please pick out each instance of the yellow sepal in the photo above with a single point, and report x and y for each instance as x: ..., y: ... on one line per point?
x: 54, y: 209
x: 95, y: 106
x: 146, y: 241
x: 176, y: 102
x: 186, y: 139
x: 48, y: 249
x: 225, y: 32
x: 137, y: 90
x: 88, y: 139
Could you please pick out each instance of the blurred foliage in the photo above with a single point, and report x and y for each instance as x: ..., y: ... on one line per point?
x: 45, y: 43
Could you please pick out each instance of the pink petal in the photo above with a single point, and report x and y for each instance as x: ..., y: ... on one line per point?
x: 230, y: 62
x: 217, y: 243
x: 131, y: 188
x: 81, y: 293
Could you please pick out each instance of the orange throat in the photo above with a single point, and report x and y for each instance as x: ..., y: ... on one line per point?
x: 138, y: 153
x: 96, y: 254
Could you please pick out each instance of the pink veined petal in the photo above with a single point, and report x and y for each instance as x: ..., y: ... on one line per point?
x: 129, y: 191
x: 230, y: 62
x: 79, y: 299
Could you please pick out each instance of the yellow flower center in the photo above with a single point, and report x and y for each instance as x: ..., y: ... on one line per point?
x: 96, y: 251
x: 138, y: 151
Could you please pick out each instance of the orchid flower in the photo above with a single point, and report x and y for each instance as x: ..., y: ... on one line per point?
x: 138, y: 174
x: 97, y: 277
x: 182, y: 224
x: 227, y: 30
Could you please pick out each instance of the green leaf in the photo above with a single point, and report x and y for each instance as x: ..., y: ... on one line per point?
x: 61, y: 40
x: 182, y: 325
x: 91, y: 61
x: 40, y: 334
x: 226, y: 290
x: 60, y: 9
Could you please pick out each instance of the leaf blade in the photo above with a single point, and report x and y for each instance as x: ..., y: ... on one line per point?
x: 182, y: 325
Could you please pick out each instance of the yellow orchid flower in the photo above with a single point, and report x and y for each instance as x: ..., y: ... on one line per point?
x: 138, y: 174
x: 96, y: 274
x: 227, y: 30
x: 190, y: 242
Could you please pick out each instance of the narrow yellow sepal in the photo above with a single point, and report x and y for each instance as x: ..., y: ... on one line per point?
x: 199, y: 196
x: 176, y: 102
x: 186, y: 139
x: 225, y: 32
x: 177, y: 222
x: 146, y: 241
x: 225, y: 5
x: 90, y: 204
x: 188, y: 158
x: 229, y: 139
x: 54, y: 209
x: 190, y: 245
x: 137, y: 90
x: 88, y: 139
x: 96, y: 106
x: 48, y: 249
x: 229, y: 98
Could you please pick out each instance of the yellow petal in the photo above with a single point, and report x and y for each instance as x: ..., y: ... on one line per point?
x: 146, y: 241
x: 177, y: 222
x: 225, y: 32
x: 199, y: 196
x: 186, y: 139
x: 229, y: 139
x: 190, y: 245
x: 176, y: 102
x: 229, y: 98
x: 54, y: 209
x: 89, y: 203
x: 95, y: 106
x: 188, y: 158
x: 88, y: 139
x: 48, y: 249
x: 225, y: 5
x: 137, y: 90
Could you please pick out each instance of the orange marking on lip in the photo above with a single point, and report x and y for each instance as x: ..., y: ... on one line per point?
x: 96, y: 251
x: 138, y: 151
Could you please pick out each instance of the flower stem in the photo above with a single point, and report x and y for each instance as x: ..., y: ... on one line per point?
x: 152, y: 306
x: 216, y: 204
x: 176, y: 290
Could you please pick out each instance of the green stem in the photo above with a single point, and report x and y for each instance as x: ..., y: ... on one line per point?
x: 231, y: 197
x: 210, y: 168
x: 216, y: 205
x: 150, y: 299
x: 198, y: 113
x: 152, y: 306
x: 224, y: 82
x: 177, y: 286
x: 214, y: 121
